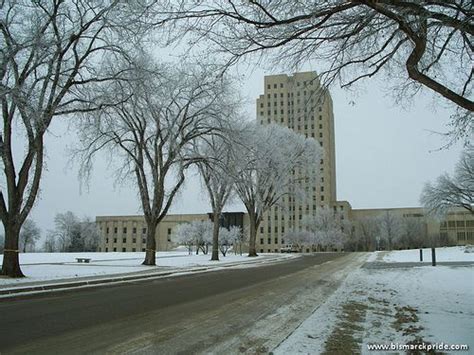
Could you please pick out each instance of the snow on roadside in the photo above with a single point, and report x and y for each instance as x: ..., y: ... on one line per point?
x: 399, y: 305
x: 54, y: 266
x: 460, y: 253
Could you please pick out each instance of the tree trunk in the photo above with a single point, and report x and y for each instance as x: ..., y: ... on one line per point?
x: 215, y: 237
x: 150, y: 252
x: 11, y: 262
x: 253, y: 235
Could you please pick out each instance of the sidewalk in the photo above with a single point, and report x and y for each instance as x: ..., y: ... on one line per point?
x: 29, y: 288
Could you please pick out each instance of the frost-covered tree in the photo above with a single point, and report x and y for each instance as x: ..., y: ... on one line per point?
x: 195, y: 233
x: 456, y: 191
x: 268, y: 163
x: 415, y: 43
x: 72, y: 234
x: 66, y: 228
x: 164, y: 110
x: 328, y: 228
x: 182, y: 236
x: 299, y: 238
x: 29, y: 235
x: 51, y: 53
x: 229, y: 238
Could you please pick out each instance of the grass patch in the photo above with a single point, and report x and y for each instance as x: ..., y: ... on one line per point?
x: 342, y: 339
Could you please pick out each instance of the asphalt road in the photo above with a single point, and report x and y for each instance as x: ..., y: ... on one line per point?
x: 185, y: 314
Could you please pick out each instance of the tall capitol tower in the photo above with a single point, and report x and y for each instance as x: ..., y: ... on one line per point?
x: 299, y: 103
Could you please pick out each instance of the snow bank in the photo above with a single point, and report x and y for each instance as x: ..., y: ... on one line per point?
x: 460, y: 253
x: 53, y: 266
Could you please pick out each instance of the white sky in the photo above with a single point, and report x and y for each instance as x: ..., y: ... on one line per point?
x: 384, y: 155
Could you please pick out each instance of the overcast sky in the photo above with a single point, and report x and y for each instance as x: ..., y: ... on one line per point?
x: 384, y: 155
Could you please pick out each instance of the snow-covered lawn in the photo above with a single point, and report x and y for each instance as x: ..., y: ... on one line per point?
x: 53, y: 266
x: 461, y: 253
x: 392, y: 305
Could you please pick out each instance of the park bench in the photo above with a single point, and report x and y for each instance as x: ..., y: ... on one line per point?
x: 83, y: 260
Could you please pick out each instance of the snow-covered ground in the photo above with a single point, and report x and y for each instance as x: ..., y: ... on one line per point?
x: 53, y: 266
x: 460, y: 253
x: 395, y: 305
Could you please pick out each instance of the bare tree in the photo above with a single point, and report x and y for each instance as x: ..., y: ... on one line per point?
x: 449, y: 192
x: 163, y: 112
x: 29, y: 235
x: 50, y: 245
x: 423, y: 43
x: 2, y: 241
x: 414, y: 233
x: 390, y: 228
x: 214, y: 153
x: 269, y: 163
x: 50, y: 53
x: 366, y: 232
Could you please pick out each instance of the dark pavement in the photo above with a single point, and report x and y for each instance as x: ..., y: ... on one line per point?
x: 36, y: 324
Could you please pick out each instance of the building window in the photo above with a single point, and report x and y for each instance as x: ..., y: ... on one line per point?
x: 106, y: 240
x: 134, y: 230
x: 124, y: 240
x: 115, y: 249
x: 134, y: 249
x: 106, y: 250
x: 115, y: 230
x: 322, y: 197
x: 459, y: 224
x: 281, y: 86
x: 124, y: 250
x: 261, y: 250
x: 143, y: 230
x: 261, y: 240
x: 134, y: 240
x: 115, y: 240
x: 269, y: 240
x: 470, y: 236
x: 461, y: 236
x: 107, y: 230
x: 322, y: 188
x: 269, y: 86
x: 124, y: 230
x: 276, y: 240
x: 261, y: 230
x: 143, y: 249
x: 143, y: 240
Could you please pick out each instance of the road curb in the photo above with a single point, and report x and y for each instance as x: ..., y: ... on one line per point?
x: 62, y: 286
